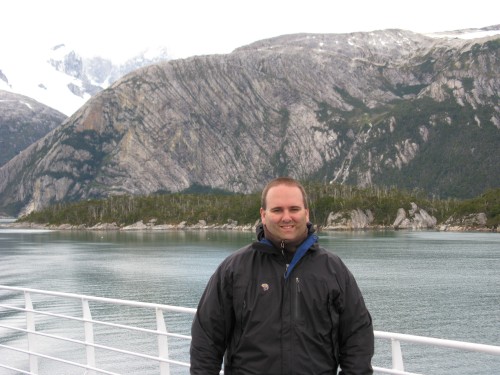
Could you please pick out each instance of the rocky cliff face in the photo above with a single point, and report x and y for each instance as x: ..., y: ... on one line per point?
x: 22, y: 122
x: 388, y: 107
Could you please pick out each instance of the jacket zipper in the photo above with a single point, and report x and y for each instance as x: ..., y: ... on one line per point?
x: 282, y: 246
x: 297, y: 294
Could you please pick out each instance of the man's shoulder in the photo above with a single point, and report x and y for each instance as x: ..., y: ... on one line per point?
x: 328, y: 256
x: 238, y: 259
x: 323, y: 251
x: 241, y: 253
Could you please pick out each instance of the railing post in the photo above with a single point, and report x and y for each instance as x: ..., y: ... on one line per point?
x: 89, y: 336
x: 162, y: 342
x: 30, y: 326
x: 397, y: 355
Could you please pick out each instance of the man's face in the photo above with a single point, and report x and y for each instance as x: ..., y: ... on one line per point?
x: 285, y: 216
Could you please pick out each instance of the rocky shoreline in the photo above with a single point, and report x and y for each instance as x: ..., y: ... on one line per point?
x: 415, y: 218
x: 201, y: 226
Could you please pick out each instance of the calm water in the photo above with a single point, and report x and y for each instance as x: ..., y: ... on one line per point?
x: 444, y: 285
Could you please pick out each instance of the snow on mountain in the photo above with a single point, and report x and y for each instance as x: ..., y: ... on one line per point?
x: 468, y: 33
x: 62, y: 79
x: 41, y: 81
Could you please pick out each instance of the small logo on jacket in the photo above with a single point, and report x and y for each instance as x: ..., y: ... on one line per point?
x: 265, y: 287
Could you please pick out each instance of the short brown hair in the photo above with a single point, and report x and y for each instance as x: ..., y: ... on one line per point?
x: 282, y: 181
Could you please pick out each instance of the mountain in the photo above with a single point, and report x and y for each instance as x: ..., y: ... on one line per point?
x: 22, y: 122
x: 63, y: 79
x: 389, y: 107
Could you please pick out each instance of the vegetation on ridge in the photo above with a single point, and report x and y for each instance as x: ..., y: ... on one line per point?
x: 219, y: 207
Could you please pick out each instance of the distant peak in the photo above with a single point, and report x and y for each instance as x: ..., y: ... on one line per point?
x: 56, y: 47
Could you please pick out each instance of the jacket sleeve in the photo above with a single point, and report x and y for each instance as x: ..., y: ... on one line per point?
x: 356, y: 337
x: 211, y: 328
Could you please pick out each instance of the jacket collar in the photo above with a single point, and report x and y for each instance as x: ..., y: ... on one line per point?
x: 310, y: 243
x: 259, y: 230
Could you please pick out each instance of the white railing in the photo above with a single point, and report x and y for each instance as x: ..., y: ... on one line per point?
x: 25, y: 329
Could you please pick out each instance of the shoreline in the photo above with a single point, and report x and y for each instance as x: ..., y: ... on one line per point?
x: 151, y: 227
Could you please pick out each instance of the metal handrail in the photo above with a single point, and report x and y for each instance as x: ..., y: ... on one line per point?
x: 161, y: 333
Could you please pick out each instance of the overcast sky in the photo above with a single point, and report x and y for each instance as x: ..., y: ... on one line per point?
x: 119, y: 28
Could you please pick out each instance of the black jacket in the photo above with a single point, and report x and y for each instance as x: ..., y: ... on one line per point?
x: 263, y: 324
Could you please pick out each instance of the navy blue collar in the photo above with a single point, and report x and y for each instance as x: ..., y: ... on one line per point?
x: 299, y: 253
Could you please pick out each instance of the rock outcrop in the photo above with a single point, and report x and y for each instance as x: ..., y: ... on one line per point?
x: 353, y: 219
x: 415, y: 218
x: 463, y: 223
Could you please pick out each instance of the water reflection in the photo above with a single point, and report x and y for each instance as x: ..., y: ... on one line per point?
x: 425, y: 283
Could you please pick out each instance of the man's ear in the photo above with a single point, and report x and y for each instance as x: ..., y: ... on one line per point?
x: 263, y: 215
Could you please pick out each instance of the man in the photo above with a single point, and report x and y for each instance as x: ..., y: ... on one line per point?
x: 282, y: 305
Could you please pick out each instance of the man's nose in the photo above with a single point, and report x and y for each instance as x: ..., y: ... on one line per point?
x: 286, y: 216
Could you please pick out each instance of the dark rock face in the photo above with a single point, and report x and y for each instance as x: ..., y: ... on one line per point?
x: 388, y: 107
x: 22, y: 122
